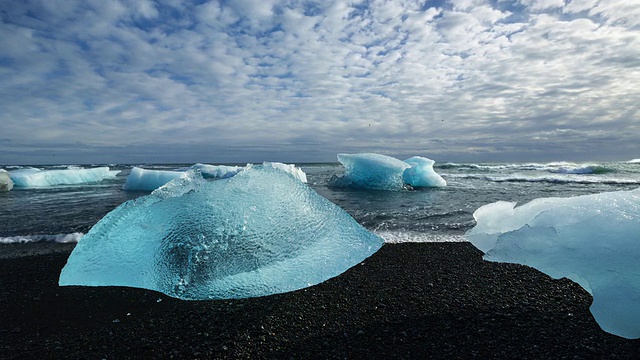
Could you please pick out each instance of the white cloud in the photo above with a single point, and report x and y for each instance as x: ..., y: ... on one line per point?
x: 145, y: 9
x: 537, y: 5
x: 619, y: 12
x: 301, y: 78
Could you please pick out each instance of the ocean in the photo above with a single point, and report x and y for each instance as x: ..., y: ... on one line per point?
x: 64, y: 213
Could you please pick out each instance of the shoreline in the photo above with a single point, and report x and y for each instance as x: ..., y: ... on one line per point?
x: 38, y: 248
x: 410, y: 300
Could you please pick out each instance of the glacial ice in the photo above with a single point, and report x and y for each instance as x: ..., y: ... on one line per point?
x: 593, y: 240
x: 216, y: 171
x: 258, y: 233
x: 381, y: 172
x: 148, y: 180
x: 421, y: 173
x: 5, y: 181
x: 371, y: 171
x: 293, y: 170
x: 225, y: 171
x: 36, y: 178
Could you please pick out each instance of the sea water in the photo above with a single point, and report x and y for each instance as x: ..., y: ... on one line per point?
x: 63, y: 213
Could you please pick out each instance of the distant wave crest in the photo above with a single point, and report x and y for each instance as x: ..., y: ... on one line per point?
x: 589, y: 169
x: 562, y: 180
x: 552, y: 167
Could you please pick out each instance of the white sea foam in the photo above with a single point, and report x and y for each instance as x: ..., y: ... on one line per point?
x: 566, y: 179
x: 554, y: 179
x: 561, y: 167
x: 390, y: 237
x: 573, y: 170
x: 58, y: 238
x: 499, y: 167
x: 398, y: 237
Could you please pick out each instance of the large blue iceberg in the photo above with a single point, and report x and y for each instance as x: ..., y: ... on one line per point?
x: 381, y: 172
x: 148, y: 180
x: 260, y: 232
x: 37, y: 178
x: 6, y: 183
x: 593, y: 240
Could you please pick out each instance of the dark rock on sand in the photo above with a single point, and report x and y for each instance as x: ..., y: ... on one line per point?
x: 407, y: 301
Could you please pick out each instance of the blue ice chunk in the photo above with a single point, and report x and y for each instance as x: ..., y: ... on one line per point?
x: 421, y: 173
x: 293, y: 170
x: 381, y: 172
x: 371, y: 171
x: 225, y: 171
x: 260, y: 232
x: 36, y: 178
x: 148, y: 180
x: 593, y: 240
x: 6, y: 183
x: 216, y: 171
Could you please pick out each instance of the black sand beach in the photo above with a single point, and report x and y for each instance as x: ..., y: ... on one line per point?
x: 414, y: 301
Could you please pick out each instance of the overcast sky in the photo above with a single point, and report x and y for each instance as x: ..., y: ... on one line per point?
x: 251, y: 80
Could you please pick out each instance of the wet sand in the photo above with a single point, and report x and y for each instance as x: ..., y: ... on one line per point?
x: 413, y: 301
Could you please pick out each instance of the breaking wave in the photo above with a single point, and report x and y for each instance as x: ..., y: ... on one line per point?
x: 58, y: 238
x: 552, y: 167
x: 397, y: 237
x: 561, y: 180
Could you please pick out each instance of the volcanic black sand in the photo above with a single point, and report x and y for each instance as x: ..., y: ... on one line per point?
x: 415, y: 301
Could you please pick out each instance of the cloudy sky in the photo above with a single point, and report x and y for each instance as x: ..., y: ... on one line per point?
x: 134, y: 81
